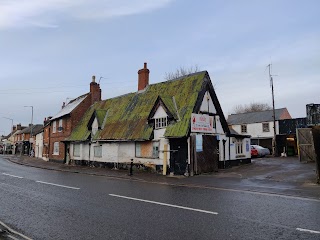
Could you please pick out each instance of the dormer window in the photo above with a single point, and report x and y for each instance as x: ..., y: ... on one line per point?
x: 161, y: 122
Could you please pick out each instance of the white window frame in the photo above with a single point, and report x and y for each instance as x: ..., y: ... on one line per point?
x: 155, y: 149
x: 76, y: 150
x: 60, y: 125
x: 138, y: 149
x: 97, y: 151
x: 265, y: 127
x: 54, y: 127
x: 239, y: 146
x: 244, y: 128
x: 56, y: 148
x: 160, y: 122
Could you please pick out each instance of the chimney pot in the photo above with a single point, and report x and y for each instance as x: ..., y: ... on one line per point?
x: 93, y: 78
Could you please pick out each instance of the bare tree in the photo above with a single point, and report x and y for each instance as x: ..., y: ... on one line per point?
x: 180, y: 72
x: 252, y: 107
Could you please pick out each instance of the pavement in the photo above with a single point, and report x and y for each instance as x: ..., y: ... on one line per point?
x: 286, y: 170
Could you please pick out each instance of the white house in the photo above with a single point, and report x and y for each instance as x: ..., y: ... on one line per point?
x: 175, y: 126
x: 259, y: 125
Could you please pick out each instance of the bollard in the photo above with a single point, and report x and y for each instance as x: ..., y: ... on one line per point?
x: 131, y: 166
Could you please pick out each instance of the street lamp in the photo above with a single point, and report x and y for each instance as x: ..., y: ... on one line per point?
x: 11, y: 123
x: 31, y: 127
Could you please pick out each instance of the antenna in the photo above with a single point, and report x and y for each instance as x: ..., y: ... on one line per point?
x: 100, y: 79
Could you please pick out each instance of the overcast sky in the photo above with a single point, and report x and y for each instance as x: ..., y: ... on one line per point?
x: 50, y: 49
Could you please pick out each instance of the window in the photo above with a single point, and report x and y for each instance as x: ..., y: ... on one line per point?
x: 239, y: 149
x: 54, y: 126
x: 76, y: 150
x: 60, y: 126
x: 160, y: 122
x: 56, y: 148
x: 97, y: 151
x: 138, y: 149
x: 243, y: 128
x: 265, y: 127
x: 155, y: 150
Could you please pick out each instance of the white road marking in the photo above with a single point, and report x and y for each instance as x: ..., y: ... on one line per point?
x: 12, y: 237
x: 164, y: 204
x: 58, y: 185
x: 11, y: 175
x: 15, y: 232
x: 307, y: 230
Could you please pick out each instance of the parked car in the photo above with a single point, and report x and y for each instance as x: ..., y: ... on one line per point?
x: 254, y: 152
x: 261, y: 150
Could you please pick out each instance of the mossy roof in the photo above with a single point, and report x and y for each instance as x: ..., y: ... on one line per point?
x: 126, y: 117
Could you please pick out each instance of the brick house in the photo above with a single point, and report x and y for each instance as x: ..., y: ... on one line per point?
x: 61, y: 125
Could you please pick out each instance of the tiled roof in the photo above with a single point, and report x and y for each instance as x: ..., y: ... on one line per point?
x: 255, y: 117
x: 69, y: 107
x: 127, y: 115
x: 35, y: 129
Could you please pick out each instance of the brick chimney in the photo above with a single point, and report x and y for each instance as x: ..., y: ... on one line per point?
x: 143, y: 77
x: 95, y: 91
x: 19, y: 126
x: 14, y: 127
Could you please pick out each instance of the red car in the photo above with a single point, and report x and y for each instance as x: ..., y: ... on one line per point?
x: 254, y: 152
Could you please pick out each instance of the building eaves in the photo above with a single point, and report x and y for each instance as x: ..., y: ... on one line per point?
x: 69, y: 107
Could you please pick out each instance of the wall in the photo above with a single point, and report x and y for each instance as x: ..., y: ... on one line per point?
x: 255, y: 130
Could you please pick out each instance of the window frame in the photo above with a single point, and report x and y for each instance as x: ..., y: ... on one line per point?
x: 160, y: 122
x: 138, y: 149
x: 155, y: 149
x: 239, y: 146
x: 60, y: 125
x: 266, y: 127
x: 244, y: 128
x: 56, y: 148
x: 54, y: 126
x: 76, y: 150
x: 97, y: 151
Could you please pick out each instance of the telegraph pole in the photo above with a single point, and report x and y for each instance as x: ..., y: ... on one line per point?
x: 274, y: 144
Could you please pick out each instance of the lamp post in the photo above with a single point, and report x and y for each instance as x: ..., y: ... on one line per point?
x: 11, y: 123
x: 31, y: 128
x: 11, y: 126
x: 274, y: 143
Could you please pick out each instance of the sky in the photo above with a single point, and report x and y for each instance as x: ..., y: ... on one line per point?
x: 50, y: 49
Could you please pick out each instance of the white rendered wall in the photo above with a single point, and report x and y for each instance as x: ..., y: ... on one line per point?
x: 255, y: 130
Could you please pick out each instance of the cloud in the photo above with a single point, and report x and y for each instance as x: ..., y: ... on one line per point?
x: 17, y: 13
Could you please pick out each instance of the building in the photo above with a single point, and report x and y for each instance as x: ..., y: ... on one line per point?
x: 313, y: 114
x: 24, y: 138
x: 259, y: 125
x: 61, y: 125
x: 175, y: 126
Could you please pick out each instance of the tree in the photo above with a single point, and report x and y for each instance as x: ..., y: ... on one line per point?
x: 180, y: 72
x: 252, y: 107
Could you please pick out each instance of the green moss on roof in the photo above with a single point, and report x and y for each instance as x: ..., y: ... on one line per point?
x: 127, y: 115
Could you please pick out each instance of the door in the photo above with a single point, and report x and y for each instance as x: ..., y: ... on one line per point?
x: 305, y: 145
x: 179, y: 156
x: 207, y: 158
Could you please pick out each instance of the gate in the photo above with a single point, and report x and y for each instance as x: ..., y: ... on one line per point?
x: 205, y: 154
x: 305, y: 145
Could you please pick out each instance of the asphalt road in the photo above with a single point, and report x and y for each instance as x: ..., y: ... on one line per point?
x: 44, y: 204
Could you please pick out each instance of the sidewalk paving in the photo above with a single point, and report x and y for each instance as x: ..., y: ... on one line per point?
x: 284, y: 170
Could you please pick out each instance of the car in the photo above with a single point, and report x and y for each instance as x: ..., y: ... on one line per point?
x: 254, y: 152
x: 262, y: 152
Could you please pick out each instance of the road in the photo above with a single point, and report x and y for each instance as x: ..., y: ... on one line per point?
x: 42, y: 204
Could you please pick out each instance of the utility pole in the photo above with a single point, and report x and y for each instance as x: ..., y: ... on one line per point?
x: 274, y: 144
